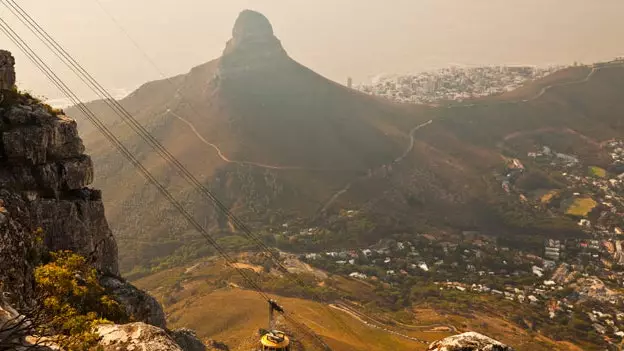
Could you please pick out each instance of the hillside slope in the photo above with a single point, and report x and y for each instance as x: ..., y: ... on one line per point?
x: 279, y: 143
x: 456, y: 157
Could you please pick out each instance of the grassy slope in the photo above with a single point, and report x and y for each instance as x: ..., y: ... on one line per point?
x: 232, y: 315
x: 202, y: 300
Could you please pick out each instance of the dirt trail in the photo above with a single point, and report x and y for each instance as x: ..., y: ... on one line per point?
x: 222, y: 156
x: 373, y: 323
x: 407, y: 151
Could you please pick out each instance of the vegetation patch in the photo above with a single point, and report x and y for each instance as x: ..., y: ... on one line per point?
x: 548, y: 197
x: 71, y: 302
x: 597, y: 172
x: 580, y: 207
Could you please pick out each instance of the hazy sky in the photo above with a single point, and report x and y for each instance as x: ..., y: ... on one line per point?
x: 337, y: 38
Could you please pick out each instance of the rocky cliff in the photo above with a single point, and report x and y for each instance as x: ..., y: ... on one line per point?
x: 46, y: 205
x: 44, y: 175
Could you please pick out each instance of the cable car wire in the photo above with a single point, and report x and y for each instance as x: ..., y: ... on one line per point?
x: 56, y: 81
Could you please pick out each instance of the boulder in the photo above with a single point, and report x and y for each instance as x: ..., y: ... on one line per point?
x: 470, y: 341
x: 135, y: 336
x: 137, y: 303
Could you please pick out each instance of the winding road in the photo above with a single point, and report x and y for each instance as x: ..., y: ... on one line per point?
x: 374, y: 323
x: 407, y: 151
x: 410, y: 147
x: 343, y: 190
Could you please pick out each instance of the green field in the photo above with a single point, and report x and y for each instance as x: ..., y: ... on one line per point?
x: 581, y: 207
x: 597, y: 172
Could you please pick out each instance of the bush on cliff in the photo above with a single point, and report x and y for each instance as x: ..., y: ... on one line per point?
x: 72, y: 301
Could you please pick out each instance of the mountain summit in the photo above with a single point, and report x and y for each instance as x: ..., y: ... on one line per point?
x: 252, y: 42
x: 253, y: 46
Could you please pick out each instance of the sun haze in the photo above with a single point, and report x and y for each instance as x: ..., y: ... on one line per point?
x: 338, y: 39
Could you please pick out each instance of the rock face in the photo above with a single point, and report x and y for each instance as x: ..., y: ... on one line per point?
x: 135, y: 336
x: 7, y: 70
x: 43, y: 178
x: 253, y: 46
x: 470, y: 341
x: 188, y: 340
x: 44, y: 171
x: 16, y: 246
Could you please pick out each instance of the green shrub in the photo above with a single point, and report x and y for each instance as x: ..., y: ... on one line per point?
x: 72, y: 301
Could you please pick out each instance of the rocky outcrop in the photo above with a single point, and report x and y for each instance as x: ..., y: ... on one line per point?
x: 7, y: 70
x: 135, y: 336
x: 470, y: 341
x: 253, y: 46
x: 44, y: 179
x: 137, y: 303
x: 188, y: 340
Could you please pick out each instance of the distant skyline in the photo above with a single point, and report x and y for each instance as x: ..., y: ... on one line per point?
x: 338, y: 39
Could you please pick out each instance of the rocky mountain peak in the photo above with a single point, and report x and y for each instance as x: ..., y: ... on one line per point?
x: 253, y: 45
x: 252, y: 24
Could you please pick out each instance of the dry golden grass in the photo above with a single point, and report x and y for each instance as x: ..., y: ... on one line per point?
x: 233, y: 315
x: 203, y: 300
